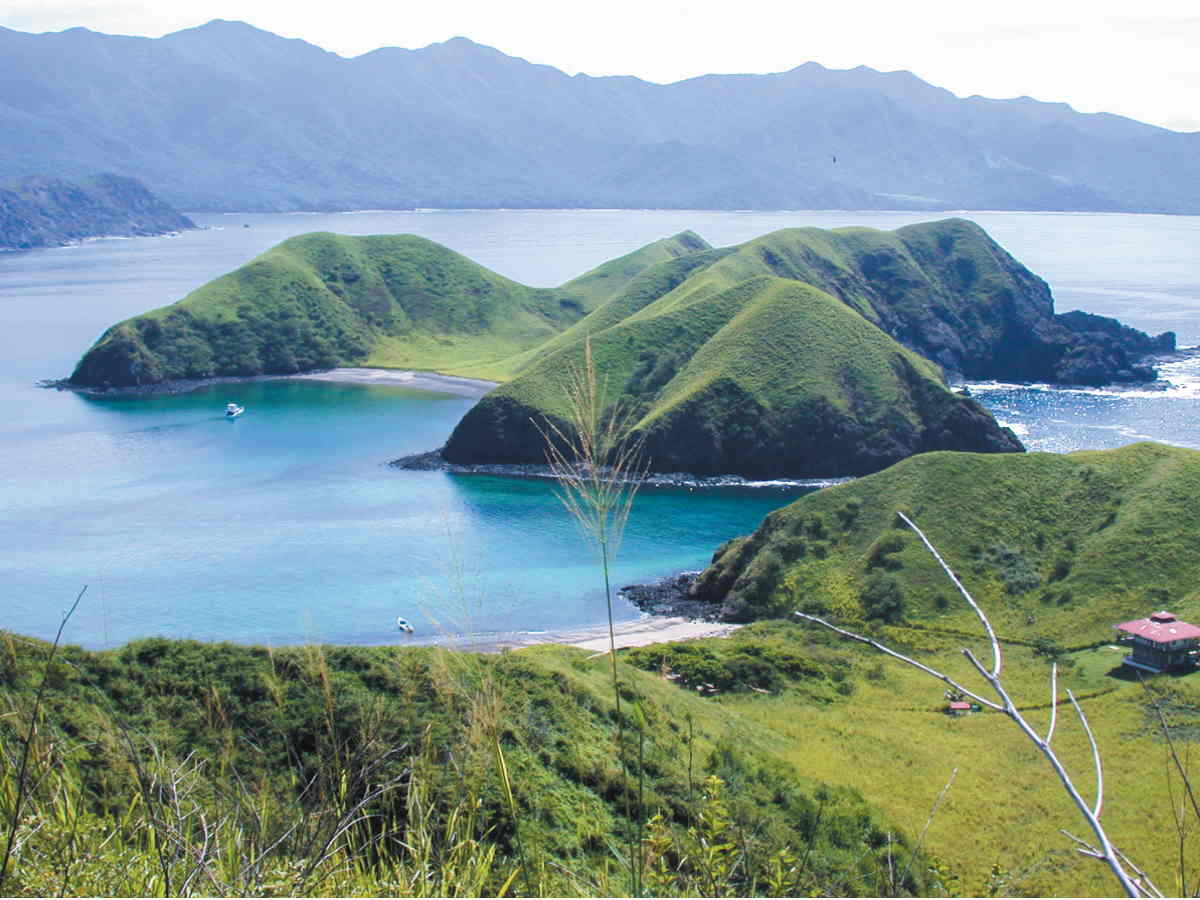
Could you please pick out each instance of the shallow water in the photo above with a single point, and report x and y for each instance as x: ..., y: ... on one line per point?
x: 285, y: 525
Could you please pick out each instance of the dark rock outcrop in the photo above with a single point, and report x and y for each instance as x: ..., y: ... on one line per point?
x: 47, y: 212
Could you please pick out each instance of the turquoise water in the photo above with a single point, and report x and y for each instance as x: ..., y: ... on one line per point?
x: 286, y: 525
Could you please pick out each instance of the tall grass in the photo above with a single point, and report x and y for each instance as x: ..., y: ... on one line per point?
x: 598, y: 464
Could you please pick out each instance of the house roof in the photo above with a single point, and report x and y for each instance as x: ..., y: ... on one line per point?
x: 1161, y: 628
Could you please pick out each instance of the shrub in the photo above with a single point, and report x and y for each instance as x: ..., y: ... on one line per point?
x: 883, y: 599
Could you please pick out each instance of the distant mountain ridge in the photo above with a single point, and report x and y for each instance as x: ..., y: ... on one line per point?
x: 45, y: 212
x: 226, y: 116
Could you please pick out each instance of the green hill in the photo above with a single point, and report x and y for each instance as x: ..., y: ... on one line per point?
x: 356, y: 771
x: 766, y: 377
x: 1057, y: 547
x: 800, y: 353
x: 322, y: 300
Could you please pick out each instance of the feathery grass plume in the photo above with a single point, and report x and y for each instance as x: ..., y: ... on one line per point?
x: 598, y: 463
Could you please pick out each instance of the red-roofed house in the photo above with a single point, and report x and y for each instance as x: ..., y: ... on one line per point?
x: 1161, y: 642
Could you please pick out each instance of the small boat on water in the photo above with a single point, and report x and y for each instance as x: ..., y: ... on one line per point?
x: 232, y: 410
x: 403, y: 625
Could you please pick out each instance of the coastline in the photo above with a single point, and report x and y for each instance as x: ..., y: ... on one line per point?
x: 432, y: 461
x: 639, y: 632
x: 668, y: 614
x: 410, y: 378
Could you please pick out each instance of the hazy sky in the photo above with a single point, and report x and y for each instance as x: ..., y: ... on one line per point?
x: 1140, y: 59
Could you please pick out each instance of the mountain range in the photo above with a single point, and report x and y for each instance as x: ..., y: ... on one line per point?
x: 229, y: 117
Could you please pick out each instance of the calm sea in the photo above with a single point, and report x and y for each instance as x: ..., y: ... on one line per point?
x: 286, y: 526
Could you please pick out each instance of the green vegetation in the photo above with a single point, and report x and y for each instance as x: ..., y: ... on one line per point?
x: 767, y: 359
x: 1054, y: 546
x: 321, y: 300
x: 173, y: 767
x: 800, y: 353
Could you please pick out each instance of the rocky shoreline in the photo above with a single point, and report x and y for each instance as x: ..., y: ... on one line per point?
x: 672, y: 596
x: 433, y: 461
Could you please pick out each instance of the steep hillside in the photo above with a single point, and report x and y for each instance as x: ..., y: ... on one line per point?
x: 45, y: 212
x: 456, y: 124
x: 322, y: 300
x: 769, y: 377
x: 1056, y: 547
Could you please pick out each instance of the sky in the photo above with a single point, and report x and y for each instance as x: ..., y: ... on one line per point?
x: 1139, y: 59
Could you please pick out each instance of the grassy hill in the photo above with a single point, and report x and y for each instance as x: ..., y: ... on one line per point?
x: 800, y: 353
x: 173, y: 767
x: 322, y: 300
x: 766, y: 377
x: 1058, y: 547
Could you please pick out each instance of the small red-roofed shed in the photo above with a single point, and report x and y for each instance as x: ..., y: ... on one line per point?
x: 1161, y: 642
x: 958, y: 708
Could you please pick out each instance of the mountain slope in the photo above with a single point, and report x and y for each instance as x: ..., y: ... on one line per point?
x: 769, y: 377
x: 226, y: 116
x: 45, y: 212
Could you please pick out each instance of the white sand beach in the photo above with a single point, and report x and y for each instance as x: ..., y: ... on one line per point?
x: 632, y: 633
x: 425, y: 381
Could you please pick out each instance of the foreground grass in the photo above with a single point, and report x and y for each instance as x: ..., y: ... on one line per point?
x: 173, y: 767
x: 998, y: 829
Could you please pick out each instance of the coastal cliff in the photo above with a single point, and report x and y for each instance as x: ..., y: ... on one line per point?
x: 45, y: 212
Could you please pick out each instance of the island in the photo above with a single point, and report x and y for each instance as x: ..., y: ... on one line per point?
x: 802, y: 353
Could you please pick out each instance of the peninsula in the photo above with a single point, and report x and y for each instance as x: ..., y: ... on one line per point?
x: 39, y: 211
x: 803, y: 353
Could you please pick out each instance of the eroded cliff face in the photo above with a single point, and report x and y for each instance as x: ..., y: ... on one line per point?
x: 948, y: 291
x: 47, y: 212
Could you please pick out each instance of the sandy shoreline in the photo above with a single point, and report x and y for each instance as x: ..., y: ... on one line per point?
x: 424, y: 381
x: 638, y: 632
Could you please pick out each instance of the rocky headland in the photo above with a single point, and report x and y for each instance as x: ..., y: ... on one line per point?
x: 38, y: 211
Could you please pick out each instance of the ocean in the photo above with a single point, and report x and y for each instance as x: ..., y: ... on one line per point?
x: 286, y: 525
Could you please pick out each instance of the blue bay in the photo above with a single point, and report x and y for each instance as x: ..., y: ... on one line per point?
x: 286, y: 525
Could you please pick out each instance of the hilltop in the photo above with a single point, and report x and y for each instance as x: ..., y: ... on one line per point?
x: 804, y: 352
x: 793, y: 354
x: 459, y: 124
x: 38, y: 211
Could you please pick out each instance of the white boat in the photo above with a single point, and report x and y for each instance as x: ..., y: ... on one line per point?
x: 402, y: 624
x: 232, y: 410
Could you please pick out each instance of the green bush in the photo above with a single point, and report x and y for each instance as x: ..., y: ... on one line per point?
x: 883, y: 598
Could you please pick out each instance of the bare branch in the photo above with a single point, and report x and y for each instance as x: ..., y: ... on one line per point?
x: 997, y: 659
x: 900, y: 656
x: 1053, y: 701
x: 1105, y: 852
x: 1095, y: 756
